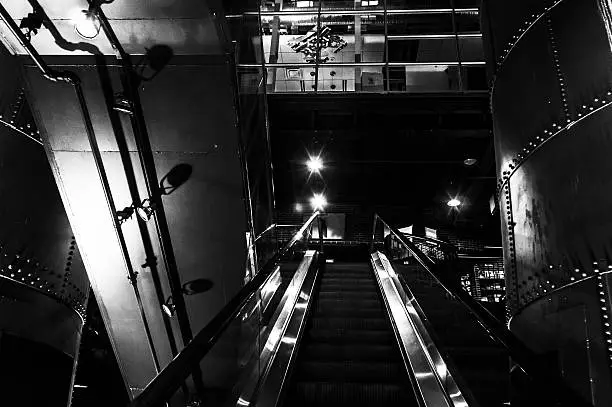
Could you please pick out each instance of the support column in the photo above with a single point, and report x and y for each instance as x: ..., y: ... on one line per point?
x: 551, y: 100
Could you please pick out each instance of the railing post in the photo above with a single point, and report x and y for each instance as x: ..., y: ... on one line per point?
x: 320, y: 229
x: 373, y: 232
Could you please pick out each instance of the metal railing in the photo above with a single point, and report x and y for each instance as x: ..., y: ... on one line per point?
x: 170, y: 379
x: 528, y: 361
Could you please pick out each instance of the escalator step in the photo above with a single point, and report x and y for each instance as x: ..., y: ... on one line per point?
x: 350, y: 394
x: 349, y: 371
x: 353, y: 303
x: 363, y: 352
x: 349, y: 323
x: 343, y: 336
x: 326, y: 288
x: 347, y: 312
x: 348, y: 295
x: 355, y: 284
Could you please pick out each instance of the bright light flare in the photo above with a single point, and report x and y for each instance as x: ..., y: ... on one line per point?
x: 86, y: 23
x: 453, y: 203
x: 315, y: 164
x: 318, y: 202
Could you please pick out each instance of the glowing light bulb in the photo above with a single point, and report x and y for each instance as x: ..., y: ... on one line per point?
x: 453, y: 203
x: 86, y: 23
x: 318, y: 202
x: 315, y: 164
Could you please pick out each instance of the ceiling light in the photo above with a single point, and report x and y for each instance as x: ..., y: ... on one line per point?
x: 318, y: 202
x: 86, y: 23
x: 298, y: 207
x: 470, y: 161
x: 315, y: 164
x: 453, y: 203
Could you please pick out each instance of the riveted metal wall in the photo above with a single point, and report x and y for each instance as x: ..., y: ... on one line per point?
x: 43, y: 283
x: 551, y: 100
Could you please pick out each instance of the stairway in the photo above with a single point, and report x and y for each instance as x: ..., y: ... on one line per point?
x: 349, y: 355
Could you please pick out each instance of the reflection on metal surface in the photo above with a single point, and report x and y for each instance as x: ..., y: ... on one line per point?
x: 276, y: 374
x: 434, y: 383
x: 293, y: 303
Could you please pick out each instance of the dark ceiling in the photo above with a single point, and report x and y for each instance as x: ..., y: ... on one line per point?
x: 400, y: 151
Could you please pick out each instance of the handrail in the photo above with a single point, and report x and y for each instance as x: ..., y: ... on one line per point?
x: 524, y: 357
x: 165, y: 384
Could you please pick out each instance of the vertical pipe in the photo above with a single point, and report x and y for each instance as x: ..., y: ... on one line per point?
x: 133, y: 276
x: 147, y: 161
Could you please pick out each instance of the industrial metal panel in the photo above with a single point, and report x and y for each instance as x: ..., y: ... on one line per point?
x: 588, y: 46
x: 526, y: 98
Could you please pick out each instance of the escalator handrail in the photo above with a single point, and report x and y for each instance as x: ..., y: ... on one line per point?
x: 168, y: 381
x: 524, y: 357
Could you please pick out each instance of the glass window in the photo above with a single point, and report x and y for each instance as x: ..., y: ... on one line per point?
x: 414, y: 24
x: 418, y: 4
x: 423, y: 50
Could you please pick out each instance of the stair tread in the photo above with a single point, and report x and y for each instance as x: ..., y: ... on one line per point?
x: 348, y: 393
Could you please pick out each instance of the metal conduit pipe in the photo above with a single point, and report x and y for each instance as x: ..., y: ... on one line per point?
x: 73, y: 79
x: 147, y: 162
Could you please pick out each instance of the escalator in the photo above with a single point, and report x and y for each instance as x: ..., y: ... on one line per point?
x: 346, y: 325
x: 349, y: 355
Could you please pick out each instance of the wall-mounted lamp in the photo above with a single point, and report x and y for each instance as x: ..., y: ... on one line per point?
x: 146, y: 209
x: 32, y: 23
x: 123, y: 104
x: 169, y: 307
x: 86, y: 23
